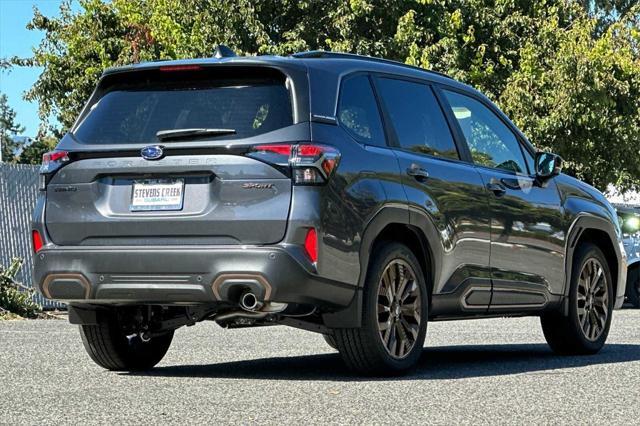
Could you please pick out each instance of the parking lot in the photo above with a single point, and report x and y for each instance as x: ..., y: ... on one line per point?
x: 496, y: 370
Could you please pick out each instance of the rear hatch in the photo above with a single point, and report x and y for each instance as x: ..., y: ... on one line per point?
x: 163, y: 157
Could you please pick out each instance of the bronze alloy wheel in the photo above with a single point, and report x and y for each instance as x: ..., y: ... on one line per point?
x: 593, y: 299
x: 398, y: 308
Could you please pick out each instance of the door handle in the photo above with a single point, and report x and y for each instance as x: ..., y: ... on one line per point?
x: 418, y: 172
x: 497, y: 188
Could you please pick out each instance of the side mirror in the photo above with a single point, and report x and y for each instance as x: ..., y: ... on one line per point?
x: 548, y: 165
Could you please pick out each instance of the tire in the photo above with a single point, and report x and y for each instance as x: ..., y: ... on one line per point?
x: 363, y: 349
x: 109, y: 347
x: 330, y: 340
x: 566, y: 334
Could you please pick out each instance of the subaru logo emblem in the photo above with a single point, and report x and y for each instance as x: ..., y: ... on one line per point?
x: 152, y: 152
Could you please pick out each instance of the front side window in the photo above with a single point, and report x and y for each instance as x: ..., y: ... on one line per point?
x: 491, y: 142
x: 358, y: 111
x: 417, y: 118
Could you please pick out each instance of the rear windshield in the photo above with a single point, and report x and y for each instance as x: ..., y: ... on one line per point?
x: 135, y: 113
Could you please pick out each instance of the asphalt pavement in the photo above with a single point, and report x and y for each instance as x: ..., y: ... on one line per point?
x: 479, y: 371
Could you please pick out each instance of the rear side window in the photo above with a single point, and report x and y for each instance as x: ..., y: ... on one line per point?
x: 135, y: 113
x: 358, y: 111
x: 417, y: 118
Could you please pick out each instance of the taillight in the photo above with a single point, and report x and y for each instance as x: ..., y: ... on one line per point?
x: 51, y: 161
x: 174, y: 68
x: 278, y: 149
x: 36, y: 240
x: 312, y: 164
x: 311, y: 244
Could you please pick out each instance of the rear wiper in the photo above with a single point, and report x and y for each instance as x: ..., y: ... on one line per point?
x: 175, y: 134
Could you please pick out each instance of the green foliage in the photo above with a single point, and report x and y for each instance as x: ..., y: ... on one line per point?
x: 8, y: 129
x: 32, y: 153
x: 580, y: 96
x: 14, y: 297
x: 565, y: 70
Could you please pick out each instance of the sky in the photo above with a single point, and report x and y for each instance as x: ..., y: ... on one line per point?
x: 16, y: 40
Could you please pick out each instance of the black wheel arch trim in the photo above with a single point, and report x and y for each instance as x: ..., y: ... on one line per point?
x: 582, y: 223
x: 387, y: 215
x: 420, y: 224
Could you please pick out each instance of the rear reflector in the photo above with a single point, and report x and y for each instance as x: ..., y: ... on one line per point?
x: 311, y: 245
x: 36, y: 240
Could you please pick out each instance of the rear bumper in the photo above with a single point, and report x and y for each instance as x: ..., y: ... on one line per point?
x: 183, y: 275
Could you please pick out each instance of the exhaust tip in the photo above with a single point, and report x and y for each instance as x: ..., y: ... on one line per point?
x: 249, y: 302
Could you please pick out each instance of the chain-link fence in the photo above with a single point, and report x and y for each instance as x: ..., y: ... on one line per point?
x: 18, y: 193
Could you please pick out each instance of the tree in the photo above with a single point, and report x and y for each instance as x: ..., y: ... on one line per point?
x: 502, y: 47
x: 5, y: 64
x: 8, y: 129
x: 450, y: 36
x: 580, y: 97
x: 32, y: 153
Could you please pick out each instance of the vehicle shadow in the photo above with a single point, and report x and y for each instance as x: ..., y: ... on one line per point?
x: 436, y: 363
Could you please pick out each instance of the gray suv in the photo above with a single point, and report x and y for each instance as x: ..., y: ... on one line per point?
x: 350, y: 196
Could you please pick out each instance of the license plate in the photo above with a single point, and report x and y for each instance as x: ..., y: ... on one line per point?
x: 157, y: 194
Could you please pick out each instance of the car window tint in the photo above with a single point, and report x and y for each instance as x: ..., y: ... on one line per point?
x: 490, y: 141
x: 358, y: 111
x: 134, y: 113
x: 417, y: 118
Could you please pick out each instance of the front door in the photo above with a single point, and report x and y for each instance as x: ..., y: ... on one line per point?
x: 527, y: 236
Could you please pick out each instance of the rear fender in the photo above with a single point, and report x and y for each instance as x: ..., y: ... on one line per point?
x: 390, y: 214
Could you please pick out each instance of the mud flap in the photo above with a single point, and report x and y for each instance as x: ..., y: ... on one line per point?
x: 350, y: 317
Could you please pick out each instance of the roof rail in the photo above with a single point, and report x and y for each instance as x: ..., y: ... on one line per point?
x: 341, y: 55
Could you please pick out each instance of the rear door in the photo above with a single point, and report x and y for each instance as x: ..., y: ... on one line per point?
x: 527, y: 233
x: 443, y: 191
x: 127, y: 186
